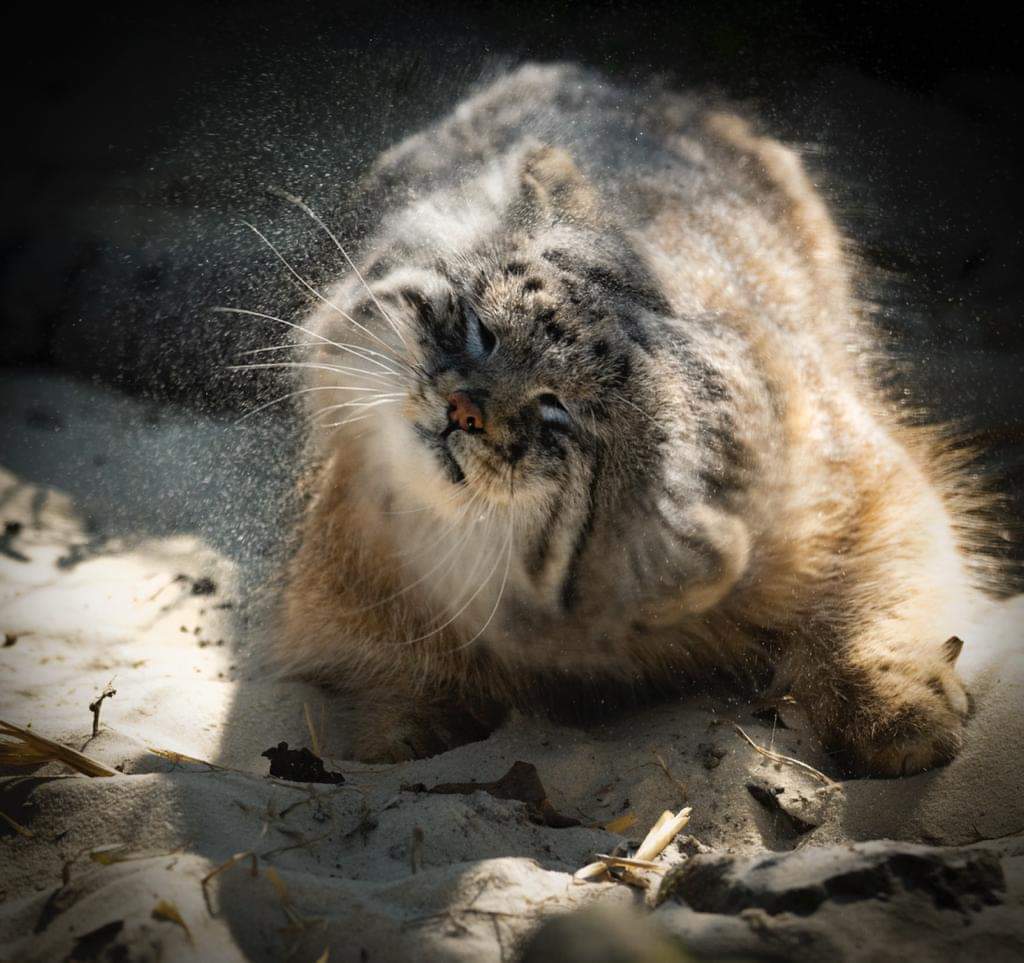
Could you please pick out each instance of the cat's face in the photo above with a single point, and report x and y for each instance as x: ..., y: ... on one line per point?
x: 525, y: 369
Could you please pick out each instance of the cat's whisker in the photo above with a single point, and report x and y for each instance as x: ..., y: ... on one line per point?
x: 343, y: 422
x: 320, y: 297
x: 483, y: 584
x: 504, y: 581
x: 318, y: 366
x: 363, y: 400
x: 470, y: 506
x: 357, y: 403
x: 452, y: 604
x: 355, y: 418
x: 364, y: 353
x: 488, y: 521
x: 303, y: 206
x: 408, y: 588
x: 294, y: 394
x: 272, y: 347
x: 250, y: 352
x: 459, y: 492
x: 455, y: 555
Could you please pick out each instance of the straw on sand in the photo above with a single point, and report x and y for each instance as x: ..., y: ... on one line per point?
x: 23, y: 747
x: 665, y: 829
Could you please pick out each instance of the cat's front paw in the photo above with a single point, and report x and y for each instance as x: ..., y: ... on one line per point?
x: 403, y: 739
x: 386, y: 733
x: 907, y: 729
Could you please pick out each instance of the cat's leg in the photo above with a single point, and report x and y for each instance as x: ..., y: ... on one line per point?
x: 885, y: 703
x: 342, y: 622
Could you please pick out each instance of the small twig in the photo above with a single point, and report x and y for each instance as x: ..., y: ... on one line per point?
x: 301, y: 844
x: 779, y: 757
x: 416, y: 850
x: 94, y: 707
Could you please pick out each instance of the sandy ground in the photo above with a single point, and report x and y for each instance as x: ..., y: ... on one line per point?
x: 143, y: 539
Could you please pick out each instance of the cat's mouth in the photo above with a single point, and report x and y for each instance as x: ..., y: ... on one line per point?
x: 439, y: 445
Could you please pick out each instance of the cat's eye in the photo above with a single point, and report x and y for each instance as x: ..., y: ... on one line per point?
x: 552, y: 411
x: 480, y: 340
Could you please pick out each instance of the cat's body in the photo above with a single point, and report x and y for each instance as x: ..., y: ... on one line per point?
x: 624, y: 429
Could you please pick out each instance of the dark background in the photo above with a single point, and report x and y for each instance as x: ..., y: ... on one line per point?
x: 138, y: 137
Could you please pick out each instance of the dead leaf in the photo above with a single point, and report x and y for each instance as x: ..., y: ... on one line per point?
x: 109, y: 854
x: 522, y: 783
x: 620, y: 824
x: 299, y: 765
x: 167, y: 911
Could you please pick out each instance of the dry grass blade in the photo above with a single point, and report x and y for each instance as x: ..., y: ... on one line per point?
x: 227, y: 864
x: 789, y: 760
x: 635, y: 863
x: 24, y: 748
x: 314, y: 738
x: 279, y: 885
x: 663, y: 766
x: 217, y: 870
x: 181, y: 759
x: 17, y: 827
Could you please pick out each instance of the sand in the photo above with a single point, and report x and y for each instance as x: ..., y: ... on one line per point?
x: 143, y: 538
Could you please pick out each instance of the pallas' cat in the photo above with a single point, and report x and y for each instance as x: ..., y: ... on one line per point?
x: 595, y: 403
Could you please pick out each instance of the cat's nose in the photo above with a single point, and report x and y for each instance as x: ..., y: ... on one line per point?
x: 464, y: 412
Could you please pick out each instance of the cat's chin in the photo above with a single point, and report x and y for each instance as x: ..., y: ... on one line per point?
x: 437, y: 445
x: 449, y: 465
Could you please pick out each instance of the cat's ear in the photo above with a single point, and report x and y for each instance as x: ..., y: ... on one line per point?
x: 550, y: 184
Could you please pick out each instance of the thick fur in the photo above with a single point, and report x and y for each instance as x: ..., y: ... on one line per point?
x: 685, y: 468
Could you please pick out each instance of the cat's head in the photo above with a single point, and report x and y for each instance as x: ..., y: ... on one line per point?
x: 510, y: 339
